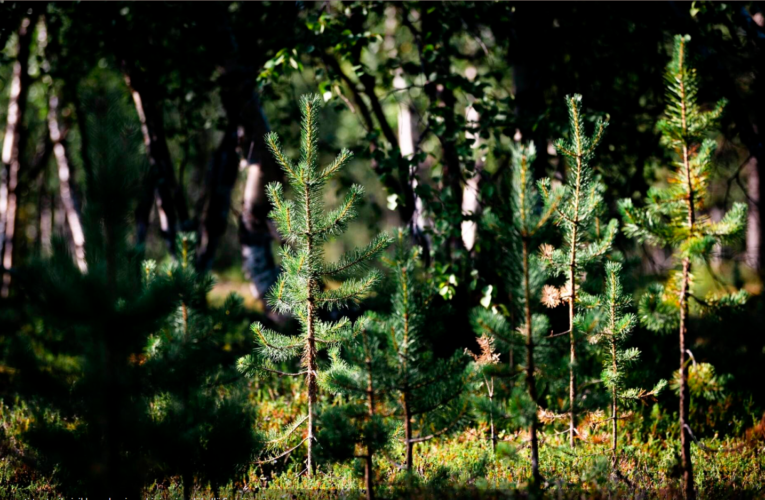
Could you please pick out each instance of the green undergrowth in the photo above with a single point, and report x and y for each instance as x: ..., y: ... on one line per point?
x: 463, y: 464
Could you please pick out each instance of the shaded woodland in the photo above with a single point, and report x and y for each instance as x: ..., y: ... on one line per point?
x: 392, y: 248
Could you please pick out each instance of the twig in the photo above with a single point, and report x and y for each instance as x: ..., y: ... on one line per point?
x: 553, y: 335
x: 707, y: 448
x: 274, y: 459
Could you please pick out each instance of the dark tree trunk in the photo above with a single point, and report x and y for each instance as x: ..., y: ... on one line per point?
x: 160, y: 183
x: 255, y: 234
x: 242, y: 145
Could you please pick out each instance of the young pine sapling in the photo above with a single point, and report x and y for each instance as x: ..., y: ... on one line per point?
x: 673, y: 218
x: 616, y: 327
x: 576, y: 214
x: 305, y: 224
x: 425, y: 392
x: 518, y: 226
x: 201, y: 427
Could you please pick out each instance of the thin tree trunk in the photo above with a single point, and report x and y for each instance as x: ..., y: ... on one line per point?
x: 614, y: 409
x: 405, y: 393
x: 65, y: 183
x: 408, y: 431
x: 572, y: 283
x: 406, y: 140
x: 471, y: 189
x: 310, y: 349
x: 530, y: 380
x: 754, y: 224
x: 492, y: 427
x: 685, y: 439
x: 15, y: 137
x: 368, y: 462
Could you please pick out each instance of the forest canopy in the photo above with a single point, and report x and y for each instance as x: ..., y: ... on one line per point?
x: 394, y: 249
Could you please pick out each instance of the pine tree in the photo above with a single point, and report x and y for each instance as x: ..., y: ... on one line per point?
x: 518, y: 228
x: 428, y: 391
x: 82, y: 371
x: 395, y: 364
x: 360, y: 376
x: 616, y: 327
x: 305, y: 224
x: 202, y: 428
x: 576, y: 215
x: 673, y: 217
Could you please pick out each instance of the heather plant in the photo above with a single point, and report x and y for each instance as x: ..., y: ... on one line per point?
x: 305, y: 224
x: 674, y: 217
x: 584, y: 241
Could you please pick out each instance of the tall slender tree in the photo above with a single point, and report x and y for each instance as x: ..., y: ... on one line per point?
x: 576, y: 216
x: 305, y: 224
x: 13, y: 145
x: 673, y: 217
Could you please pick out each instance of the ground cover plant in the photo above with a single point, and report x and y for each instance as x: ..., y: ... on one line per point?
x: 483, y: 295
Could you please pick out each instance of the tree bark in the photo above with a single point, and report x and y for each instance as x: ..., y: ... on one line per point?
x: 255, y: 235
x: 408, y: 431
x: 368, y: 463
x: 470, y: 192
x: 160, y: 184
x: 13, y: 143
x: 530, y: 380
x: 406, y: 142
x: 242, y: 146
x: 65, y: 182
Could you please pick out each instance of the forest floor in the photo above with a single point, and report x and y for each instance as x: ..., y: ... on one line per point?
x: 463, y: 464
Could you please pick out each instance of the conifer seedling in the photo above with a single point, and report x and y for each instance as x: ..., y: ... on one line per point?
x: 396, y: 366
x: 673, y: 217
x: 576, y: 215
x: 612, y: 334
x: 518, y: 229
x: 305, y: 224
x: 199, y: 431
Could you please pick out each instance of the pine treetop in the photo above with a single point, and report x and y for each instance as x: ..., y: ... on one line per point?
x: 616, y: 326
x: 674, y: 216
x: 305, y: 224
x: 576, y: 204
x: 665, y: 219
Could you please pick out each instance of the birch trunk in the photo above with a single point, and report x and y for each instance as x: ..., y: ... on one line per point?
x: 11, y: 154
x: 65, y: 183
